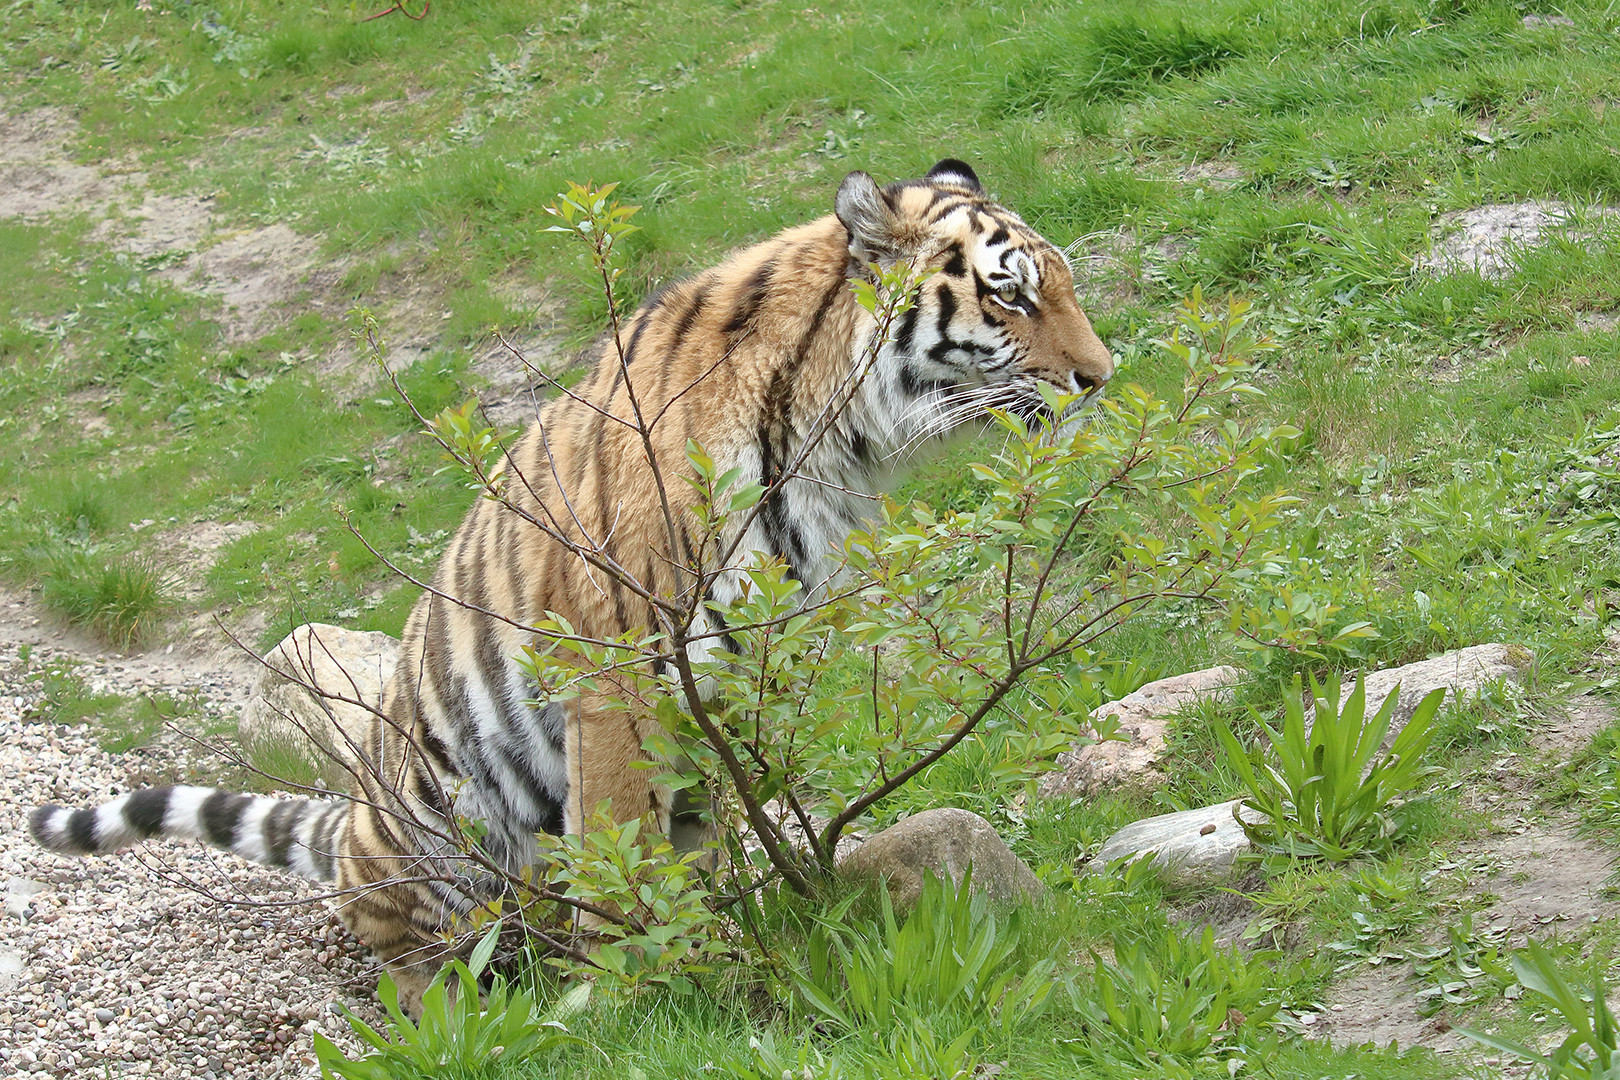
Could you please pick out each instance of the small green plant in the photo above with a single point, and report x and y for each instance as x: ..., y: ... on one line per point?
x: 1327, y: 789
x: 283, y: 760
x: 458, y: 1036
x: 953, y: 953
x: 122, y: 600
x: 912, y: 1052
x: 1467, y: 969
x: 1194, y: 1001
x: 1591, y: 1051
x: 766, y: 1060
x: 657, y: 928
x: 121, y: 723
x: 1389, y: 905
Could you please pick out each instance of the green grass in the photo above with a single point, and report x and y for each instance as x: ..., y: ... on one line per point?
x: 121, y: 723
x: 1456, y: 472
x: 122, y: 601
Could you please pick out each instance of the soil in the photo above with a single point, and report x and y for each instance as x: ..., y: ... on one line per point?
x: 1547, y: 878
x: 37, y: 175
x: 1110, y: 267
x: 1486, y: 239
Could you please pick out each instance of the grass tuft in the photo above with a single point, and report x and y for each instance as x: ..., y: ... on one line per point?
x: 1089, y: 64
x: 122, y: 601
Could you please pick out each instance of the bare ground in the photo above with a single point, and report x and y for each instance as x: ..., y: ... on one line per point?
x: 1549, y: 879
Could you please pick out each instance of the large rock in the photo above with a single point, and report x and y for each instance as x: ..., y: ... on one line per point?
x: 1464, y: 672
x: 946, y: 841
x: 346, y: 665
x: 1191, y: 847
x: 1143, y: 719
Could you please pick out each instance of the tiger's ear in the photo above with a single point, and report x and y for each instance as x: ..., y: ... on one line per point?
x: 866, y: 214
x: 957, y: 174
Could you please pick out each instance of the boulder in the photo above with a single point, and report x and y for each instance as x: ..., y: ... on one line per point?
x: 1464, y: 672
x: 1191, y: 847
x: 347, y: 664
x: 946, y: 841
x: 1143, y: 719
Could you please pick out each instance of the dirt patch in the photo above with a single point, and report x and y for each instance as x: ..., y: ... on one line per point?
x: 1552, y: 882
x: 1601, y: 322
x: 37, y: 177
x: 161, y: 225
x: 1572, y: 728
x: 206, y: 662
x: 1223, y: 173
x: 1378, y: 1005
x: 514, y: 390
x: 1486, y: 239
x: 191, y: 550
x: 1548, y: 879
x: 257, y: 273
x: 1111, y: 268
x: 1551, y: 875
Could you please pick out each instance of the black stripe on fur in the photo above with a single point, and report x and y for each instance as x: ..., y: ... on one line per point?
x: 146, y: 809
x: 219, y: 815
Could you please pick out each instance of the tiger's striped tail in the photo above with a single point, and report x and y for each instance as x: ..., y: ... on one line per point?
x: 301, y: 835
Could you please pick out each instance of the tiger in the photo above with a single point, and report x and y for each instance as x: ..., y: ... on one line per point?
x: 747, y: 359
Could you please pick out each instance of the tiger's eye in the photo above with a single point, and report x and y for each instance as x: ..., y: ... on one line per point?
x: 1008, y: 293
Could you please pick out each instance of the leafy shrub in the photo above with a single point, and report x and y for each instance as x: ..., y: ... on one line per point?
x: 458, y: 1037
x: 658, y: 929
x: 952, y: 954
x: 1326, y: 790
x: 1591, y: 1051
x: 1195, y: 1001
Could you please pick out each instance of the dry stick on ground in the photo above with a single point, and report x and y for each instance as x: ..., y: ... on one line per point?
x: 399, y: 6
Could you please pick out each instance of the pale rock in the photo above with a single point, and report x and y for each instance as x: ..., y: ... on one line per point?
x: 1190, y: 847
x: 11, y: 969
x: 348, y: 664
x: 947, y: 841
x: 1463, y: 672
x: 1143, y: 720
x: 20, y: 891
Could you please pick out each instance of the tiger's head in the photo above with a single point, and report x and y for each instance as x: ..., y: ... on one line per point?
x: 996, y: 319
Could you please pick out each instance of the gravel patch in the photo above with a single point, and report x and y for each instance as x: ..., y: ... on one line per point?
x: 113, y: 966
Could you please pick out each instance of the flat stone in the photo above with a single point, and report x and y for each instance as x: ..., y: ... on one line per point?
x: 19, y: 891
x: 1143, y: 719
x: 1463, y: 672
x: 947, y: 841
x: 344, y: 667
x: 11, y: 969
x: 1190, y: 847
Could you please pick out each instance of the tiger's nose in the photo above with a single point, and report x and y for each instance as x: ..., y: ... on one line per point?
x: 1088, y: 384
